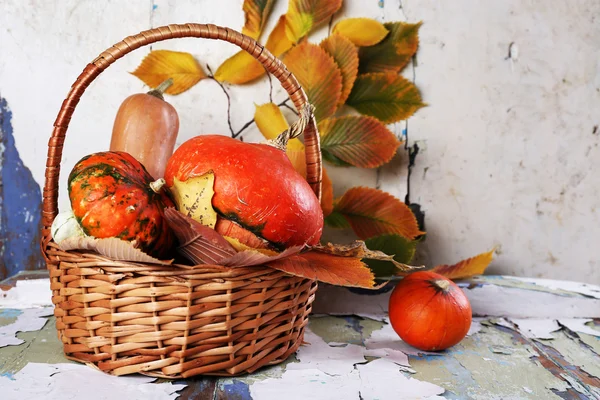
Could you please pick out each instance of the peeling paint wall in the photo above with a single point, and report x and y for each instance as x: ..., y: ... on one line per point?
x: 507, y: 146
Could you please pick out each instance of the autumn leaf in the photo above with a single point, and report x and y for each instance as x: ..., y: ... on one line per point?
x: 394, y: 52
x: 361, y: 31
x: 385, y: 96
x: 304, y: 15
x: 466, y: 268
x: 318, y: 75
x: 271, y: 122
x: 256, y: 13
x: 345, y: 55
x: 372, y: 212
x: 160, y: 65
x: 358, y: 140
x: 340, y: 271
x: 243, y: 68
x: 401, y: 248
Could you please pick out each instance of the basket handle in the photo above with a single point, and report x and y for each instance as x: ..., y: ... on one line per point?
x: 271, y: 63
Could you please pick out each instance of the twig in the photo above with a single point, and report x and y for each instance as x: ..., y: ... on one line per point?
x: 211, y: 76
x: 286, y: 105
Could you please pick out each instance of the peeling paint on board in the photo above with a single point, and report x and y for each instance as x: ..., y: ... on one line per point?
x: 20, y: 205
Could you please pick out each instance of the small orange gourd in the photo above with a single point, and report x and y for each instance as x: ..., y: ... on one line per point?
x: 429, y: 311
x: 146, y: 127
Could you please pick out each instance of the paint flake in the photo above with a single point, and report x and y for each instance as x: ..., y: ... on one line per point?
x: 386, y: 338
x: 29, y: 320
x: 536, y: 328
x: 568, y: 286
x: 328, y: 359
x: 302, y: 384
x: 70, y: 381
x: 579, y: 325
x: 381, y: 379
x: 475, y: 326
x: 31, y: 293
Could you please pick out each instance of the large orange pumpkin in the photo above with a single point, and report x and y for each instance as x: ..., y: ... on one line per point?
x: 429, y: 312
x: 256, y: 186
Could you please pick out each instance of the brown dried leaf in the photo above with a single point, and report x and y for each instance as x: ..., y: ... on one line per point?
x: 160, y: 65
x: 345, y: 55
x: 359, y: 249
x: 372, y: 212
x: 466, y: 268
x: 251, y: 257
x: 318, y: 75
x: 114, y: 248
x: 198, y: 243
x: 256, y: 13
x: 340, y: 271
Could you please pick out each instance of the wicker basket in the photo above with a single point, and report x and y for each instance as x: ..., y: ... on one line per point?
x: 173, y: 321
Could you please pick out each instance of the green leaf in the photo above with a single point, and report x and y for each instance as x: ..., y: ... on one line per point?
x: 402, y: 249
x: 333, y: 160
x: 358, y: 140
x: 337, y: 221
x: 304, y: 15
x: 385, y: 96
x: 392, y: 53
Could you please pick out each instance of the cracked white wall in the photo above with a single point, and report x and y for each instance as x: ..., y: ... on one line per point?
x: 507, y: 145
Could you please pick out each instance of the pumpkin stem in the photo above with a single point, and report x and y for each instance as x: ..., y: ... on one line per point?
x: 442, y: 284
x: 160, y: 89
x: 157, y: 185
x: 297, y: 128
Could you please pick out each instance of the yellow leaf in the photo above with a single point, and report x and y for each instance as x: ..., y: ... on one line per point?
x: 345, y: 55
x: 271, y: 122
x: 466, y: 268
x: 243, y: 68
x: 318, y: 75
x: 326, y: 194
x: 256, y: 13
x: 239, y: 247
x: 361, y: 31
x: 304, y: 15
x: 160, y: 65
x: 193, y: 197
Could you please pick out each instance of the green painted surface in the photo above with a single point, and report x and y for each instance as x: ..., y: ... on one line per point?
x: 40, y: 346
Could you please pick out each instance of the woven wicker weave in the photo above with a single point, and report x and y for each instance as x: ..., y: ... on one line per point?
x: 174, y: 321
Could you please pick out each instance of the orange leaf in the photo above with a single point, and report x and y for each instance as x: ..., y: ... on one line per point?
x: 466, y: 268
x: 304, y: 15
x: 361, y: 31
x: 243, y: 68
x: 385, y: 96
x: 256, y: 13
x: 340, y: 271
x: 319, y: 76
x: 345, y: 55
x: 160, y: 65
x: 372, y: 212
x: 357, y: 140
x: 394, y: 52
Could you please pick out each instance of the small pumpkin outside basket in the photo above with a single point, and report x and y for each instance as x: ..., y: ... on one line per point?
x: 168, y: 321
